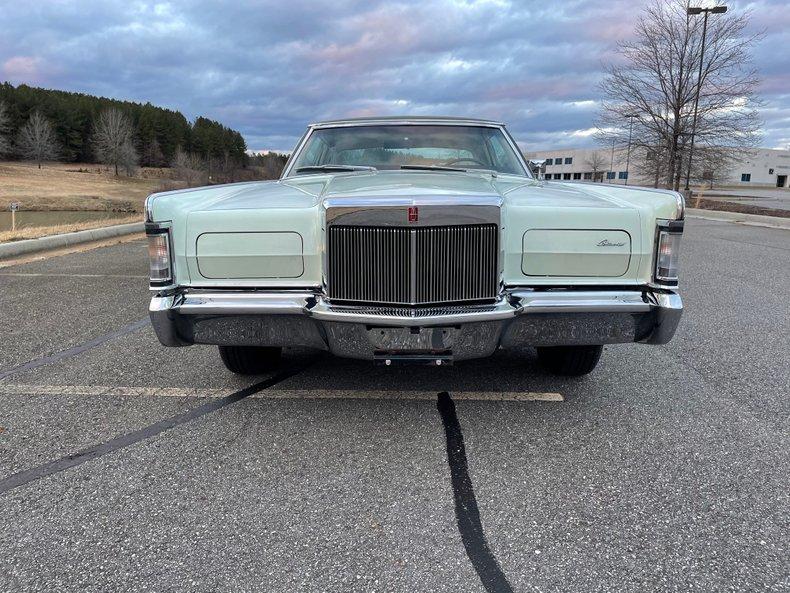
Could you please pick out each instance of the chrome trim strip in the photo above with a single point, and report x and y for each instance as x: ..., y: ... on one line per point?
x: 413, y: 120
x: 681, y: 200
x: 292, y: 157
x: 519, y: 155
x: 573, y: 301
x: 435, y: 210
x: 323, y: 311
x: 148, y: 208
x: 236, y: 303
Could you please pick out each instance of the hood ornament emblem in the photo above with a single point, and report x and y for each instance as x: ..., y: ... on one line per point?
x: 414, y: 214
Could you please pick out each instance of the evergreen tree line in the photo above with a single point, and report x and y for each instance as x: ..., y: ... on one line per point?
x: 43, y: 124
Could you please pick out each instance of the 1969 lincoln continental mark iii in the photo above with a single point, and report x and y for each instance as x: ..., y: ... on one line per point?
x: 413, y: 240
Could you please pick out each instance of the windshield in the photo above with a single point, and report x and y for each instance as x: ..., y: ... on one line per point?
x: 407, y: 146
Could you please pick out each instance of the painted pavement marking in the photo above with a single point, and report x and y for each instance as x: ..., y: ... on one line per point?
x: 125, y: 391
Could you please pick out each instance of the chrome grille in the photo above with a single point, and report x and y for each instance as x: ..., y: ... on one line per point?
x: 412, y: 266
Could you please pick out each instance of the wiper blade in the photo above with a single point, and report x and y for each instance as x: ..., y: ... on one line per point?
x: 433, y: 168
x: 334, y: 168
x: 444, y: 168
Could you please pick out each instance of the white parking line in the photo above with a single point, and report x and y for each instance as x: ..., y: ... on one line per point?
x: 428, y: 395
x: 90, y: 390
x: 97, y: 390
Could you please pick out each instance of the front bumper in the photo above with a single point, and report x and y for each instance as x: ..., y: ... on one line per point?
x: 522, y: 317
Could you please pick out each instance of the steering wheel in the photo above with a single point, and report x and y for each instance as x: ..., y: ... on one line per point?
x: 467, y: 159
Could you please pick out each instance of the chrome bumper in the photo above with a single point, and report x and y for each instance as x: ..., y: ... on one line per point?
x: 522, y: 317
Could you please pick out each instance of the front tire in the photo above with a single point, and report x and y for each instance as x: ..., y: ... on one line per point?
x: 570, y: 361
x: 250, y: 360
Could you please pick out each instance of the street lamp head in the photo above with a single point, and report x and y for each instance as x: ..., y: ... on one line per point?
x: 700, y: 10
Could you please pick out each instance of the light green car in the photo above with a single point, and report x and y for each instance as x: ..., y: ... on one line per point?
x: 413, y: 240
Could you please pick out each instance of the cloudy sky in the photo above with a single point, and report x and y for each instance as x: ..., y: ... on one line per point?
x: 267, y: 68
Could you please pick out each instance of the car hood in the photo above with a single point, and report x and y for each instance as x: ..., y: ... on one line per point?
x: 550, y: 231
x: 306, y: 192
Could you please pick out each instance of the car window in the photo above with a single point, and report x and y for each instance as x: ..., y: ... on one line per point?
x: 395, y: 146
x: 503, y: 152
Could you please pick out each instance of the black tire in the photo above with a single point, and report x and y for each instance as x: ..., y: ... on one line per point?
x: 571, y: 361
x: 250, y: 360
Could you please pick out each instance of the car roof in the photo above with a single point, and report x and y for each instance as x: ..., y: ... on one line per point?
x: 407, y: 119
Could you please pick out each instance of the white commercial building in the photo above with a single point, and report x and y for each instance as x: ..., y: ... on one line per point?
x: 759, y: 167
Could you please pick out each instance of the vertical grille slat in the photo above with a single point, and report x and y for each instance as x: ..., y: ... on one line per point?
x: 412, y: 265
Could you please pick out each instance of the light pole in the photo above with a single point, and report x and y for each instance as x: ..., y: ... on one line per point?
x: 611, y: 163
x: 630, y: 117
x: 695, y: 10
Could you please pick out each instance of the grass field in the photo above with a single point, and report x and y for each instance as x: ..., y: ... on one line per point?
x: 62, y: 186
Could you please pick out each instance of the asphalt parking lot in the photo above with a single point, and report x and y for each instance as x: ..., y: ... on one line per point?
x: 128, y: 466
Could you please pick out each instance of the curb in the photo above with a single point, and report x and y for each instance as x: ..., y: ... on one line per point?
x: 15, y: 248
x: 774, y: 222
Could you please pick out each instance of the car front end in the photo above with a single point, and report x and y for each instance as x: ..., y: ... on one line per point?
x: 426, y: 264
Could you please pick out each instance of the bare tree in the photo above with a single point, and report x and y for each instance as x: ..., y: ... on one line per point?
x: 189, y: 167
x: 5, y: 130
x: 152, y: 154
x: 712, y: 165
x: 112, y: 137
x: 37, y: 140
x: 651, y: 162
x: 596, y: 163
x: 655, y: 81
x: 128, y: 158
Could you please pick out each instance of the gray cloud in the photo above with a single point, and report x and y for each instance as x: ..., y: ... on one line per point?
x: 268, y: 68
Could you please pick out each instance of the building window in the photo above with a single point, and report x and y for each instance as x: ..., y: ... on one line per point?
x: 746, y: 176
x: 558, y: 176
x: 622, y: 175
x: 549, y: 162
x: 588, y: 175
x: 566, y: 176
x: 568, y: 160
x: 610, y: 174
x: 577, y: 175
x: 558, y: 160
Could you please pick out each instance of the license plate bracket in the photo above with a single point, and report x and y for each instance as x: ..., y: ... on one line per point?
x: 412, y: 339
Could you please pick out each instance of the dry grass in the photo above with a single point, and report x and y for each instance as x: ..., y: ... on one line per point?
x: 44, y: 231
x: 72, y: 186
x: 707, y: 204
